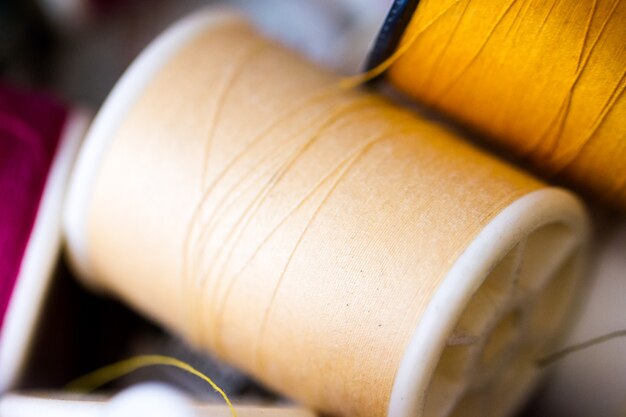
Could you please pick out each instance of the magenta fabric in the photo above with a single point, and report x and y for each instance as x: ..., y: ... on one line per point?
x: 31, y: 125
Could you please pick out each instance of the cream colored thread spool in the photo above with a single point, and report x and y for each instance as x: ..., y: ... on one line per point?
x: 340, y: 250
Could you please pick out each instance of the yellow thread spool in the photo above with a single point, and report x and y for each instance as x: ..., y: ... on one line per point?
x: 337, y: 248
x: 545, y: 80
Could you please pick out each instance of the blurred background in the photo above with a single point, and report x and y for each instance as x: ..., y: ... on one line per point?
x: 80, y: 47
x: 77, y: 49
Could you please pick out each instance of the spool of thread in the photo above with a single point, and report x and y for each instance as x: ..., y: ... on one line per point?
x: 39, y: 138
x: 341, y: 250
x: 545, y: 81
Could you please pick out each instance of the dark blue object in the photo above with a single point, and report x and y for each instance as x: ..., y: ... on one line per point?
x: 391, y: 32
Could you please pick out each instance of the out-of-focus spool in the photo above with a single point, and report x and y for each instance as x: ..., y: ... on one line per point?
x: 39, y: 138
x: 546, y: 81
x: 135, y: 401
x: 337, y: 248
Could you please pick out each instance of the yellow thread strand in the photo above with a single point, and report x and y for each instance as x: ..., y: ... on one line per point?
x: 106, y: 374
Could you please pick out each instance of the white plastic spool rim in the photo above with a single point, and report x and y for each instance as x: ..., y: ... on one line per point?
x: 537, y: 240
x: 40, y: 256
x: 504, y: 304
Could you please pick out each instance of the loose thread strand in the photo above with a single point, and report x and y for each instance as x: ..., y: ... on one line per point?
x: 108, y: 373
x: 557, y: 356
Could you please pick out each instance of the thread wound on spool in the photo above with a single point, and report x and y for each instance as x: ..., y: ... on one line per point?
x: 545, y: 81
x: 300, y: 231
